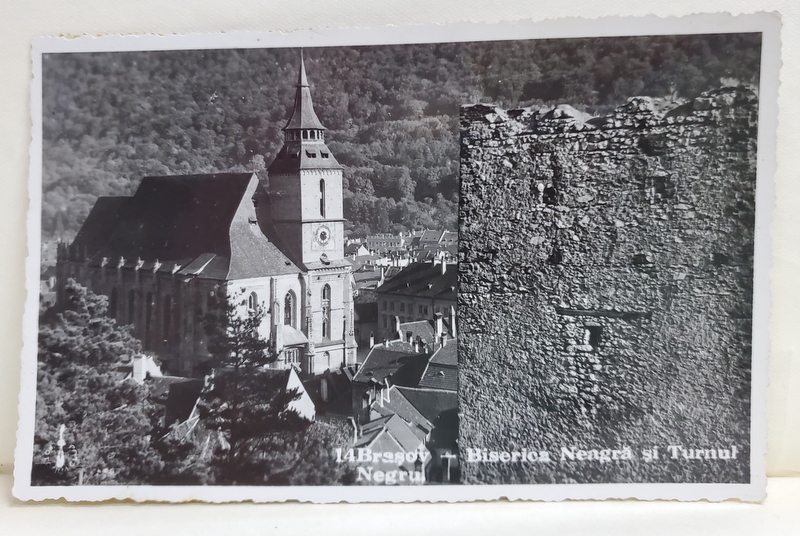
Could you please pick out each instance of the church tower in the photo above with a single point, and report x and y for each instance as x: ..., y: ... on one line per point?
x: 305, y: 186
x: 306, y: 221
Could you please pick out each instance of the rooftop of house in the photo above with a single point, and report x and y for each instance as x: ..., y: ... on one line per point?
x: 392, y: 401
x: 430, y: 402
x: 339, y: 391
x: 395, y: 360
x: 423, y: 280
x: 193, y: 225
x: 400, y: 432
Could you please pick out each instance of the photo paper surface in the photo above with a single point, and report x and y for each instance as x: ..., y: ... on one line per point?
x: 442, y: 263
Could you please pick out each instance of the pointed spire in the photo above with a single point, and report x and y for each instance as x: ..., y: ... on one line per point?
x: 302, y: 79
x: 303, y: 116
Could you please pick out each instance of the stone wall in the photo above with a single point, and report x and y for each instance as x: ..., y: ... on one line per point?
x: 605, y: 284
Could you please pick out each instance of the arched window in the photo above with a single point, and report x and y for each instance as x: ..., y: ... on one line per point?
x: 326, y: 294
x: 322, y: 197
x: 112, y: 303
x: 131, y: 306
x: 252, y: 301
x: 166, y: 317
x: 326, y: 312
x: 327, y: 357
x: 305, y: 134
x: 288, y: 309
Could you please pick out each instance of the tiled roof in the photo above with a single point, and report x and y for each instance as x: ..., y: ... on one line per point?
x: 447, y: 354
x: 200, y: 225
x: 292, y: 337
x: 397, y: 361
x: 391, y: 401
x: 440, y: 377
x: 430, y: 402
x: 395, y: 427
x: 424, y: 280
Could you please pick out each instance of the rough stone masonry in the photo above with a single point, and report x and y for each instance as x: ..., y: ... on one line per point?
x: 605, y: 284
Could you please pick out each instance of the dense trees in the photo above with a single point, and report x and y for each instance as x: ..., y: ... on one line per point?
x: 110, y: 119
x: 258, y: 437
x: 107, y: 423
x: 112, y: 432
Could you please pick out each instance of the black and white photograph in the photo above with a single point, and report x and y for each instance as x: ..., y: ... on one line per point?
x: 436, y: 269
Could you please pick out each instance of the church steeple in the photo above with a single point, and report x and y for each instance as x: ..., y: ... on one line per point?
x: 303, y: 124
x: 305, y: 201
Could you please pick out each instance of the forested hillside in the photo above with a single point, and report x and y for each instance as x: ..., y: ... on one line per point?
x: 110, y: 119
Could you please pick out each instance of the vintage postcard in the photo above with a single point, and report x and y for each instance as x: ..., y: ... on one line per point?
x: 446, y: 263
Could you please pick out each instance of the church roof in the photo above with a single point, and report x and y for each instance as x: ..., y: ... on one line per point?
x: 303, y: 153
x: 295, y: 155
x: 199, y: 225
x: 303, y: 115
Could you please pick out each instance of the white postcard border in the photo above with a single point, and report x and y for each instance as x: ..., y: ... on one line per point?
x: 767, y: 23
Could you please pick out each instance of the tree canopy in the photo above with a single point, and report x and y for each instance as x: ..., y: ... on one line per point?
x: 110, y: 119
x: 107, y: 422
x: 112, y: 433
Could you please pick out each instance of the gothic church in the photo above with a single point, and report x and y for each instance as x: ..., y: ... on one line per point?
x: 160, y: 254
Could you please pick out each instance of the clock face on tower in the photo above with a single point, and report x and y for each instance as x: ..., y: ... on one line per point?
x: 322, y: 235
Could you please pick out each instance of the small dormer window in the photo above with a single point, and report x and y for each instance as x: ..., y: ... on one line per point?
x: 296, y: 155
x: 323, y: 154
x: 311, y: 154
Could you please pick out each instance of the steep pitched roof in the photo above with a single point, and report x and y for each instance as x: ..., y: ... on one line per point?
x: 424, y: 280
x: 303, y: 115
x: 200, y: 225
x: 392, y: 402
x: 395, y: 427
x: 396, y: 361
x: 430, y: 402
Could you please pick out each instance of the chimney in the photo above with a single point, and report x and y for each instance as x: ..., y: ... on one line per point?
x: 439, y: 325
x: 453, y: 321
x: 444, y: 267
x: 355, y: 428
x: 416, y: 346
x: 139, y: 369
x: 371, y: 339
x: 408, y: 336
x: 398, y: 333
x: 444, y: 340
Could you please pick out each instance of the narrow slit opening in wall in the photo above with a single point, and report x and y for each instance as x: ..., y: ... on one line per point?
x: 593, y: 336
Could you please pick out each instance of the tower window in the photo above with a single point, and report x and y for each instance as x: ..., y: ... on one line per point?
x: 252, y: 301
x: 322, y: 197
x: 305, y: 134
